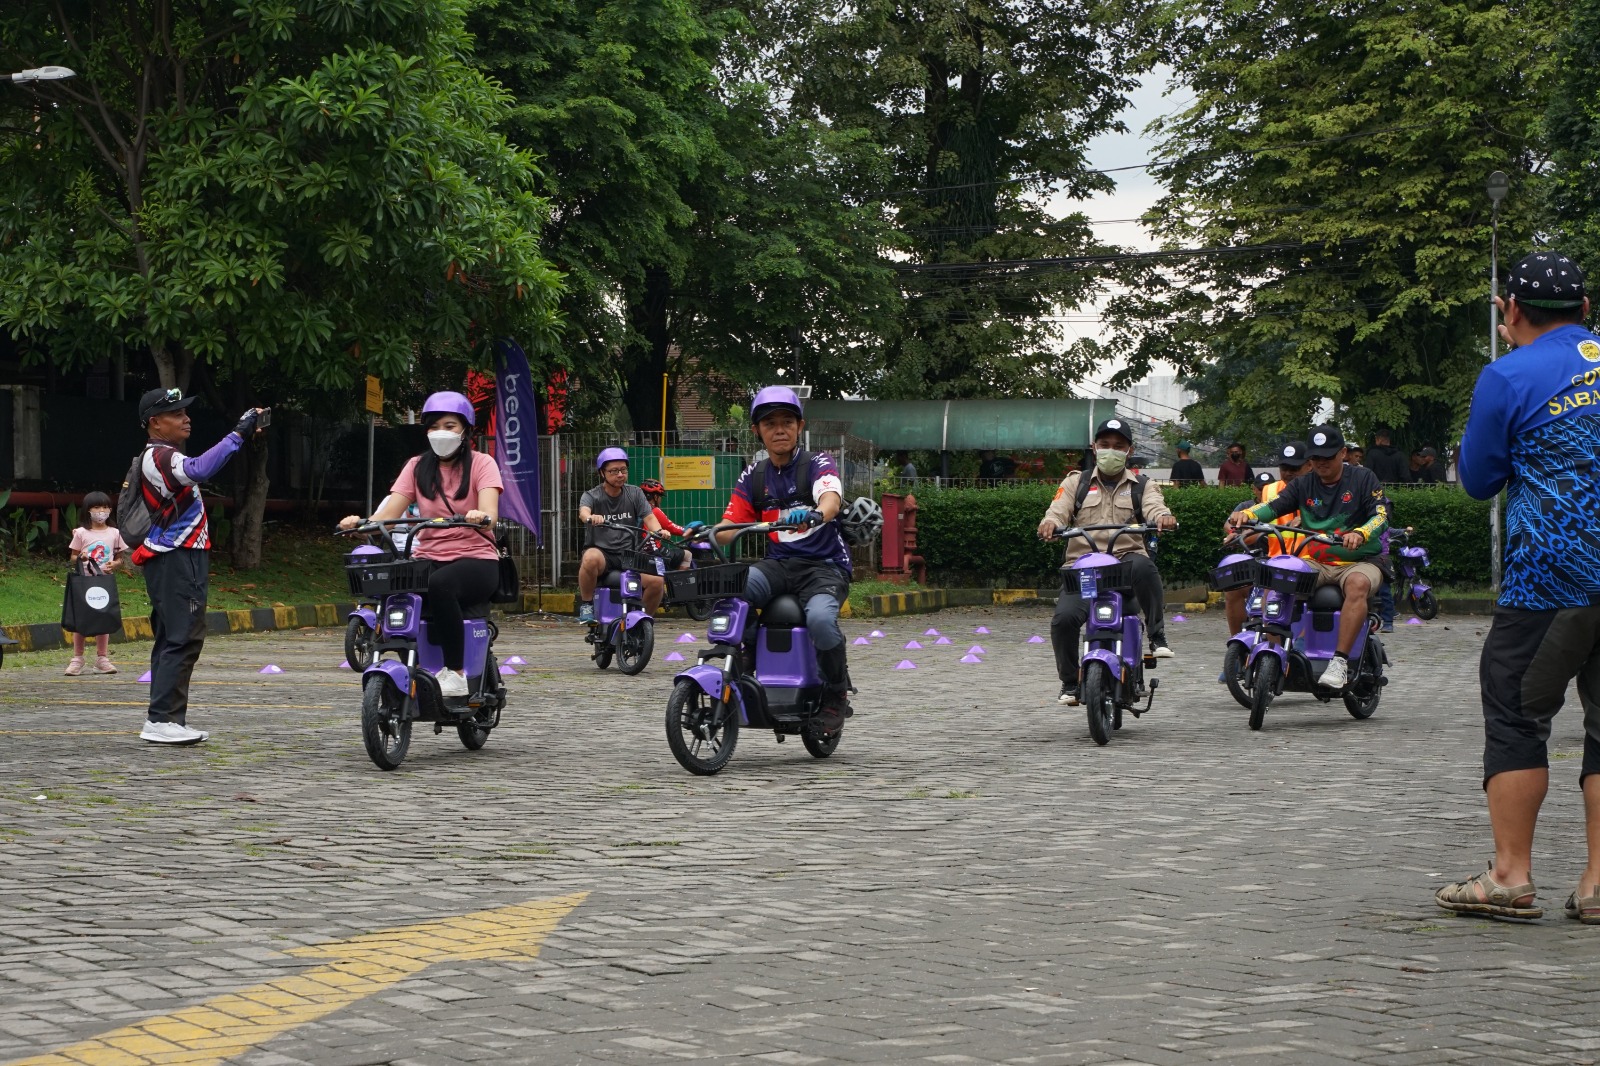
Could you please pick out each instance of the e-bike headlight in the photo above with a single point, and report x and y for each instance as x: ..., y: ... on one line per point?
x: 1274, y: 609
x: 1103, y: 613
x: 632, y: 587
x: 721, y: 623
x: 1254, y: 604
x: 397, y: 618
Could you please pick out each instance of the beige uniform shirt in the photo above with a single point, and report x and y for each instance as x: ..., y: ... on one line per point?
x: 1108, y: 502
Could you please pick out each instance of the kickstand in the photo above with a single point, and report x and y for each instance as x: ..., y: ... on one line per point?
x: 1155, y: 683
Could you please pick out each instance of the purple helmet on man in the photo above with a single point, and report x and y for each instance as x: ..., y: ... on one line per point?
x: 610, y: 455
x: 447, y: 403
x: 774, y: 398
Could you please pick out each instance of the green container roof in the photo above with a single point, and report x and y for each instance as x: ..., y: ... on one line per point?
x: 967, y: 425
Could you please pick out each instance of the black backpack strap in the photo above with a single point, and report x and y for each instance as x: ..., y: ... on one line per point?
x: 802, y: 484
x: 1138, y: 496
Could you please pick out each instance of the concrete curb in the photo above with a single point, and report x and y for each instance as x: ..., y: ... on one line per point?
x: 45, y: 636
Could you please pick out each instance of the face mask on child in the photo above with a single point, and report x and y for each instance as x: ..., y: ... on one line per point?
x: 1111, y: 461
x: 100, y: 515
x: 443, y: 442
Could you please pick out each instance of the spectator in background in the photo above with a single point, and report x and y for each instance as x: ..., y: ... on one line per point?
x: 995, y: 467
x: 1357, y: 455
x: 1427, y: 470
x: 1186, y: 471
x: 908, y: 469
x: 1385, y: 460
x: 1234, y: 469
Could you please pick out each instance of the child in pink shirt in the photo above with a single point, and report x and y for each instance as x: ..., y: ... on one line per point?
x: 99, y: 544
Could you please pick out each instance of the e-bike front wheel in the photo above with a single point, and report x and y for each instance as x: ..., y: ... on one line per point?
x: 701, y: 731
x: 1099, y: 701
x: 1236, y: 671
x: 360, y: 644
x: 1426, y: 605
x: 638, y: 644
x: 1264, y: 685
x: 384, y: 728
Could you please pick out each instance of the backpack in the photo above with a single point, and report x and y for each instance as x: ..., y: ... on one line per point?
x: 802, y: 479
x: 134, y: 516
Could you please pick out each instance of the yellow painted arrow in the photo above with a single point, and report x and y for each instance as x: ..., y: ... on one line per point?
x: 218, y: 1029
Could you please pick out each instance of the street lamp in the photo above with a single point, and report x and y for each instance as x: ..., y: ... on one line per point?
x: 22, y: 77
x: 1497, y: 186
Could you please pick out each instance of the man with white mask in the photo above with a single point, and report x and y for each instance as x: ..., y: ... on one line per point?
x: 1110, y: 494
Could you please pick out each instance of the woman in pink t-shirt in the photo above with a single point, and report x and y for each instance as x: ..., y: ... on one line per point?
x: 449, y: 479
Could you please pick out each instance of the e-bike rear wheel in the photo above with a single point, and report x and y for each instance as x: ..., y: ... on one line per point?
x: 1366, y: 689
x: 701, y: 731
x: 384, y: 728
x: 1264, y: 685
x: 1099, y: 701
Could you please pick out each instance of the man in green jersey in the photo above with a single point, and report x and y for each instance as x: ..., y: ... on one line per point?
x: 1345, y: 502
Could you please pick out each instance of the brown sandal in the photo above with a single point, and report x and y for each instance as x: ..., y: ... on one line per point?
x: 1484, y: 895
x: 1585, y: 909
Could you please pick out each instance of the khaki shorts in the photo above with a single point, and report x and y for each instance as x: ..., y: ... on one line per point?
x: 1338, y: 575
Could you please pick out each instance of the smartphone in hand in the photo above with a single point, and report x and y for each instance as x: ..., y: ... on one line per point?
x: 264, y: 419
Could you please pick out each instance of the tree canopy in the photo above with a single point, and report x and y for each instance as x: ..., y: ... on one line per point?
x: 310, y: 188
x: 1336, y: 157
x: 985, y: 112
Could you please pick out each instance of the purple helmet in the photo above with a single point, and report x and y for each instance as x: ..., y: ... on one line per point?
x: 610, y: 455
x: 367, y: 549
x: 448, y: 403
x: 774, y: 398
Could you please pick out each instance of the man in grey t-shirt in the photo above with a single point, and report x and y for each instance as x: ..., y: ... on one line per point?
x: 614, y: 511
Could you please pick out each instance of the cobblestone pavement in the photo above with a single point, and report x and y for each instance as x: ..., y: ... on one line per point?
x: 968, y: 879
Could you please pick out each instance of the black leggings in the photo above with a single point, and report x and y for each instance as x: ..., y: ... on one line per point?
x: 450, y: 587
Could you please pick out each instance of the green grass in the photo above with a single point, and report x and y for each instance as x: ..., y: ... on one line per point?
x: 298, y: 566
x: 861, y: 590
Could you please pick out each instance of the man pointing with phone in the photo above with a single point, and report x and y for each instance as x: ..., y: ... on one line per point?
x: 175, y: 551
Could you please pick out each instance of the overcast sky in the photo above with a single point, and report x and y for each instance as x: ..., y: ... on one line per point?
x: 1136, y: 191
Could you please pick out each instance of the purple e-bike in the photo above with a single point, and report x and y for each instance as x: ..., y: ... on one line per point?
x: 1297, y: 632
x: 759, y: 672
x: 1111, y: 662
x: 622, y: 628
x: 398, y: 686
x: 1410, y: 561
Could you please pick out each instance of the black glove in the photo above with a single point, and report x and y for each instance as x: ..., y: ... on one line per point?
x: 247, y: 423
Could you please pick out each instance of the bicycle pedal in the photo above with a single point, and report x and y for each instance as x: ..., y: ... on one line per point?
x: 1149, y: 662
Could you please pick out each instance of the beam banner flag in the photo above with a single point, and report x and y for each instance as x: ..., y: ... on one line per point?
x: 517, y: 446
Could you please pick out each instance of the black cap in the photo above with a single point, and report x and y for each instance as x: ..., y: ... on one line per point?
x: 1265, y: 477
x: 1429, y: 453
x: 1114, y: 425
x: 1547, y: 279
x: 1326, y: 440
x: 161, y: 401
x: 1294, y: 454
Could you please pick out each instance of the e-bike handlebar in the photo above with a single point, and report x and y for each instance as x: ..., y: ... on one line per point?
x: 1084, y: 531
x: 378, y: 525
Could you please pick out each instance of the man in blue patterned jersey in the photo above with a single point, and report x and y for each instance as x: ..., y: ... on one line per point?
x: 812, y: 564
x: 1534, y: 430
x: 175, y: 554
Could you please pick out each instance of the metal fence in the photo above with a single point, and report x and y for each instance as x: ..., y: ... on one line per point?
x: 699, y: 471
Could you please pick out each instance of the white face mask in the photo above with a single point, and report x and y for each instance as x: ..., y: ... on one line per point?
x: 443, y: 442
x: 99, y: 514
x: 1111, y: 461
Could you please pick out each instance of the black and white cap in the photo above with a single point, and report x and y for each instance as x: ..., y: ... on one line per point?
x: 1294, y: 454
x: 1326, y: 440
x: 1547, y: 279
x: 1114, y: 425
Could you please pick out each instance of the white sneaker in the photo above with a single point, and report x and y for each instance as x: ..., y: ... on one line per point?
x: 1337, y: 674
x: 1161, y: 651
x: 170, y: 733
x: 451, y: 684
